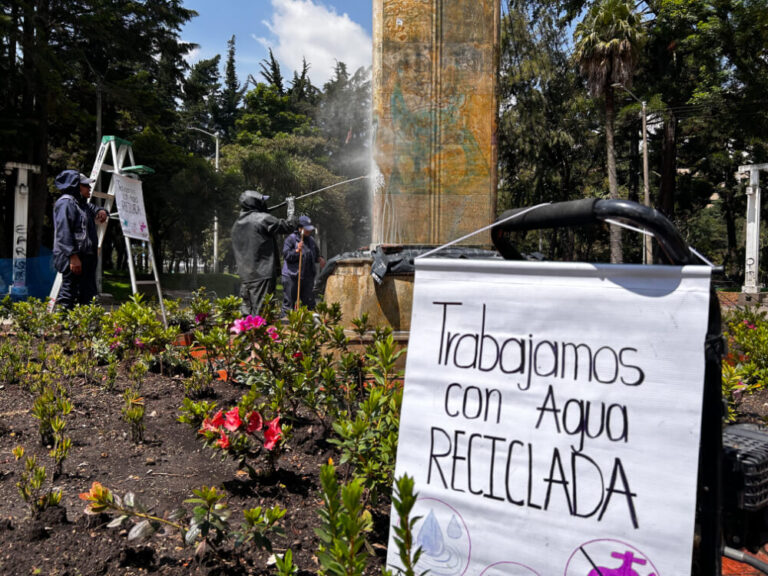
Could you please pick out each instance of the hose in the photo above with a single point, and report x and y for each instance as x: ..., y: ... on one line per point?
x: 740, y: 556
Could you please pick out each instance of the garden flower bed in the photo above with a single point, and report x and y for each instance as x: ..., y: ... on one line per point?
x: 121, y: 452
x: 124, y: 450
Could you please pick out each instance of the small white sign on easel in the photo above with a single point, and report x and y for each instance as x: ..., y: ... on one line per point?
x: 130, y: 207
x: 551, y: 417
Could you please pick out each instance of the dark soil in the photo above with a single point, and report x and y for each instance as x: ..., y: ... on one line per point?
x: 753, y: 408
x: 161, y: 471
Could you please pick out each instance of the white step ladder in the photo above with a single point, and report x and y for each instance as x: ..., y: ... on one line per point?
x: 120, y: 150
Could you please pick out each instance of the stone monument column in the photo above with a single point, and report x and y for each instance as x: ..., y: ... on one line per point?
x: 434, y: 115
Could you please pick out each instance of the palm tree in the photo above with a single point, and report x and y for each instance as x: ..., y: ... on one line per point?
x: 607, y: 42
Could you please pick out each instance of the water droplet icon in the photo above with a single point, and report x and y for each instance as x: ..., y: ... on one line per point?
x: 454, y: 528
x: 430, y: 537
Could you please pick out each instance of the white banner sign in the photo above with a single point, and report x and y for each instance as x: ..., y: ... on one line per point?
x: 130, y: 207
x: 551, y: 417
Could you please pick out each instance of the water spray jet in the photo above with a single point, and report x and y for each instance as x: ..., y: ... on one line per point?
x: 433, y: 172
x: 319, y: 190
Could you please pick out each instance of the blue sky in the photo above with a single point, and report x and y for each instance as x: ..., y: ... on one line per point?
x: 323, y: 31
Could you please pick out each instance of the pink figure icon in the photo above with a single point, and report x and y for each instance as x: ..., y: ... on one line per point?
x: 628, y: 559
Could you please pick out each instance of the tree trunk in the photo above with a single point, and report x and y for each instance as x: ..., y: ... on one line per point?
x: 634, y: 167
x: 10, y: 90
x: 157, y: 248
x: 668, y: 166
x: 37, y: 98
x: 613, y: 187
x: 99, y: 105
x: 731, y: 262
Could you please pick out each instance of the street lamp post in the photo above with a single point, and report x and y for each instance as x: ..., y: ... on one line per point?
x: 215, y: 136
x: 648, y: 250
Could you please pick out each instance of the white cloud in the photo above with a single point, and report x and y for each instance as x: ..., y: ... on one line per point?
x: 192, y: 56
x: 305, y: 29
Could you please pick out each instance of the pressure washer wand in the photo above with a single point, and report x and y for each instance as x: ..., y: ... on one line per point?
x: 320, y: 190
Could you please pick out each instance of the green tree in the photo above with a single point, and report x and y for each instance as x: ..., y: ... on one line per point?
x: 343, y: 116
x: 270, y: 71
x: 304, y: 95
x: 78, y: 69
x: 180, y: 198
x: 202, y: 92
x: 548, y: 128
x: 607, y: 43
x: 231, y: 96
x: 266, y: 112
x: 705, y: 64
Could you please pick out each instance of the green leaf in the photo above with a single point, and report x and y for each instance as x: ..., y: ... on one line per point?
x: 192, y: 534
x: 143, y: 529
x: 117, y: 521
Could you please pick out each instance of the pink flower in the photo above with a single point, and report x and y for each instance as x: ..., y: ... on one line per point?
x: 254, y: 422
x: 113, y: 345
x: 255, y: 321
x: 117, y: 329
x: 218, y: 420
x: 200, y: 318
x: 248, y: 323
x: 232, y: 420
x: 223, y: 441
x: 272, y: 331
x: 272, y: 434
x: 138, y: 343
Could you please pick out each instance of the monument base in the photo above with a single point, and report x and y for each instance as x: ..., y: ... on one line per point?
x: 751, y: 299
x: 353, y: 287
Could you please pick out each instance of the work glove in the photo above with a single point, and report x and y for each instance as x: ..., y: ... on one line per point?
x: 291, y: 207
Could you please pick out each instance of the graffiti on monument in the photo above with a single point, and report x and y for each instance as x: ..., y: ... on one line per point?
x: 416, y: 151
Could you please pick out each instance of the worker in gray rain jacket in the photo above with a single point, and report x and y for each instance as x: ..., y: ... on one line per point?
x: 254, y: 240
x: 76, y: 240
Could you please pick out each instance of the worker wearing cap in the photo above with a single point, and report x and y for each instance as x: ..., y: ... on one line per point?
x: 254, y: 242
x: 300, y: 247
x: 76, y: 241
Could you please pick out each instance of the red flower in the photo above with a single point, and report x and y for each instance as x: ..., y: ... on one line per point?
x: 223, y: 441
x: 272, y: 331
x: 208, y: 426
x: 272, y: 434
x: 218, y: 420
x: 232, y: 420
x: 254, y: 422
x: 298, y: 355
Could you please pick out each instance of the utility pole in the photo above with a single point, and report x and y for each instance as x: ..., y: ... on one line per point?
x: 18, y: 286
x: 646, y: 192
x: 752, y: 263
x: 647, y: 246
x: 215, y: 136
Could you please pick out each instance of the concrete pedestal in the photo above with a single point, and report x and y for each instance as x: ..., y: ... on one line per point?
x: 387, y: 304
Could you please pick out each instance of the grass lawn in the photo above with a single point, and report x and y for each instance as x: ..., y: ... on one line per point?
x: 119, y: 284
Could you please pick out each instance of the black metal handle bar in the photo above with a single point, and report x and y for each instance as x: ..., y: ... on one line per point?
x: 590, y: 211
